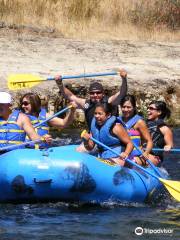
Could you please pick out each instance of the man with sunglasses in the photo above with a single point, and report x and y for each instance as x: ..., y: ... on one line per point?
x: 14, y: 125
x: 96, y: 94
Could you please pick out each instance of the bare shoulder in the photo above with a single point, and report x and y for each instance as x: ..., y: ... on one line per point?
x: 141, y: 122
x: 23, y: 117
x: 165, y: 129
x: 117, y: 127
x: 140, y: 125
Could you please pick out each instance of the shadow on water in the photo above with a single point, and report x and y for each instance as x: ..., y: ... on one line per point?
x: 110, y: 220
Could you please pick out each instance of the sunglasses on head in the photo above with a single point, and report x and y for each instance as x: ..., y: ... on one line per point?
x: 152, y: 108
x: 93, y: 93
x: 25, y: 103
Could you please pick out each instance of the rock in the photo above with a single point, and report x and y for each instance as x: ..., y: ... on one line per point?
x: 153, y: 68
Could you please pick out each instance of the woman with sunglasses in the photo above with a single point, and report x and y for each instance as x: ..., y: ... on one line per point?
x: 136, y: 128
x: 15, y: 126
x: 30, y: 104
x: 161, y: 134
x: 105, y: 130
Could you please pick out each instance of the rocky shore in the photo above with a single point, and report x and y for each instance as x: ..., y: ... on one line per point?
x: 153, y: 67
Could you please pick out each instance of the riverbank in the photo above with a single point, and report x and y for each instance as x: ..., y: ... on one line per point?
x: 153, y: 67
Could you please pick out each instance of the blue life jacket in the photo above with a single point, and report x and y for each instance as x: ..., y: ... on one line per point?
x: 134, y: 134
x: 89, y: 109
x: 41, y: 130
x: 10, y: 131
x: 104, y: 135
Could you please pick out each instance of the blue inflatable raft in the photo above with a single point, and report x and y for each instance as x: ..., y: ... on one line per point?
x: 62, y: 174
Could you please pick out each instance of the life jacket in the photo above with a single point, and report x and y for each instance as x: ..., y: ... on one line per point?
x: 44, y: 128
x: 10, y: 131
x: 89, y: 109
x: 133, y: 133
x: 41, y: 130
x: 157, y: 136
x: 104, y: 135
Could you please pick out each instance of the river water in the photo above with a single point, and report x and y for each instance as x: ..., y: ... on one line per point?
x: 110, y: 220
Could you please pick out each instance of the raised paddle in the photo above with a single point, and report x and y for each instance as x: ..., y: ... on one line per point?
x: 20, y: 81
x: 173, y: 187
x: 53, y: 116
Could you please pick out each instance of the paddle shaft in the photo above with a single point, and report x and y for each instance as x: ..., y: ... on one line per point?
x: 19, y: 145
x: 141, y: 152
x: 162, y: 150
x: 150, y: 163
x: 72, y: 77
x: 165, y: 182
x: 39, y: 124
x: 90, y: 75
x: 55, y: 115
x: 127, y: 160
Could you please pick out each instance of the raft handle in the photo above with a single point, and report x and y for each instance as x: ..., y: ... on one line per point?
x: 42, y: 181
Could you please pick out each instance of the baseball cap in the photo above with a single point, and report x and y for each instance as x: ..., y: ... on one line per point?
x: 5, y: 97
x: 96, y: 86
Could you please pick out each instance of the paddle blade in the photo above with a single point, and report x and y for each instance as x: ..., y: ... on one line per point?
x: 21, y: 81
x: 173, y: 188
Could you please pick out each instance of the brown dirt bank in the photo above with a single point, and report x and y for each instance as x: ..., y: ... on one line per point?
x: 153, y: 67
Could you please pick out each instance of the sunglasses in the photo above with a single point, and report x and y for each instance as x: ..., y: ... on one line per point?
x: 93, y: 93
x: 152, y: 109
x: 25, y: 103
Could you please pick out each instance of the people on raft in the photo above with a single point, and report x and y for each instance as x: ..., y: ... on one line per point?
x: 105, y: 130
x: 161, y: 134
x: 96, y: 94
x: 30, y: 104
x: 14, y: 126
x: 136, y: 128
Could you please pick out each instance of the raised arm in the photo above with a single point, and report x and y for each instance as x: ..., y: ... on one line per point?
x: 63, y: 122
x: 117, y: 97
x: 68, y: 94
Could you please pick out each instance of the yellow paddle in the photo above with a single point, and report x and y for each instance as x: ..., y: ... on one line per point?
x: 20, y: 81
x: 173, y: 187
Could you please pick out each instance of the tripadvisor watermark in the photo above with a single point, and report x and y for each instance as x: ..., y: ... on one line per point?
x: 140, y: 231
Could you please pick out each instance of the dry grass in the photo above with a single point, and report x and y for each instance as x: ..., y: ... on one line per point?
x: 112, y: 19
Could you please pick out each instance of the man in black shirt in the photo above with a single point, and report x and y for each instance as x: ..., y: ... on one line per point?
x: 96, y: 94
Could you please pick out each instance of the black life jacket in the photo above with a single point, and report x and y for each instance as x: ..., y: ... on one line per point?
x: 157, y: 136
x: 89, y: 109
